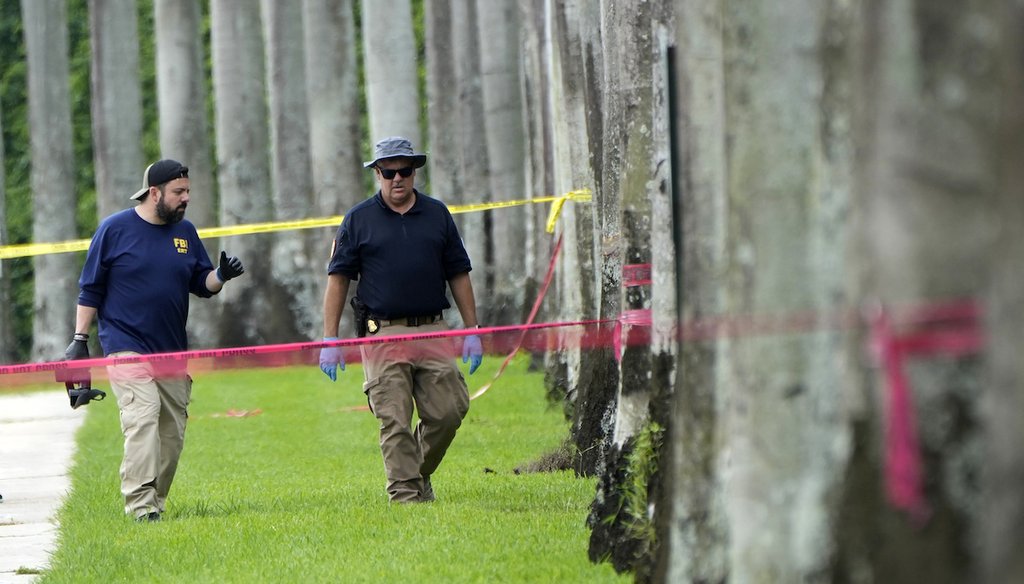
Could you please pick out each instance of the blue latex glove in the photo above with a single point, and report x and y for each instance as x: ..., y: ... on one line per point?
x: 472, y: 351
x: 330, y: 359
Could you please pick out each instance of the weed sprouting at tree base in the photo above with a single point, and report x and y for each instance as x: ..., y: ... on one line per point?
x: 623, y: 532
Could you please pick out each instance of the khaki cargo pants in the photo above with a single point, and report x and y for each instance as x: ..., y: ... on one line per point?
x: 154, y: 409
x: 421, y: 374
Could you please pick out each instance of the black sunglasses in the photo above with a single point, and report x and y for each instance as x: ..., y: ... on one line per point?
x: 389, y: 173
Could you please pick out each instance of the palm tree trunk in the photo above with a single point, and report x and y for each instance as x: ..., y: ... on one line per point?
x: 332, y: 88
x: 694, y: 532
x: 442, y: 102
x: 181, y: 97
x: 6, y: 312
x: 185, y: 133
x: 1001, y: 521
x: 392, y: 90
x: 250, y: 314
x: 576, y: 82
x: 53, y: 185
x: 116, y: 103
x: 498, y: 22
x: 291, y: 165
x: 472, y: 152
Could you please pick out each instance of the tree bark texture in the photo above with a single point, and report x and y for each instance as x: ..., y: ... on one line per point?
x: 498, y: 23
x: 338, y: 178
x: 469, y: 134
x: 6, y: 311
x: 390, y: 66
x: 784, y: 445
x: 181, y: 100
x: 665, y: 263
x: 1001, y: 520
x: 250, y: 313
x: 116, y: 101
x: 928, y: 187
x: 333, y: 93
x: 693, y: 527
x: 625, y: 206
x: 576, y: 135
x: 442, y: 101
x: 457, y: 160
x: 663, y: 230
x: 291, y: 180
x: 630, y: 109
x: 185, y: 135
x: 538, y: 178
x: 755, y: 409
x: 53, y: 183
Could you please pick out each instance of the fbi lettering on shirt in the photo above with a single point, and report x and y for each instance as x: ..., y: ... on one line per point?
x: 181, y: 245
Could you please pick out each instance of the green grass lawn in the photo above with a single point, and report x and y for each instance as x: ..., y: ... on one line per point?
x: 296, y: 493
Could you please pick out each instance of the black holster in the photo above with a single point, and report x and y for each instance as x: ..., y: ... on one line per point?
x: 78, y: 384
x: 361, y: 314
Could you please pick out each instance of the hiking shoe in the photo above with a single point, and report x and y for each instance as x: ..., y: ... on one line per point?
x: 427, y: 494
x: 148, y: 517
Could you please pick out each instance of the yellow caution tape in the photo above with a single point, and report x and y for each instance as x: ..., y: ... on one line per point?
x: 556, y: 211
x: 35, y: 249
x: 229, y: 230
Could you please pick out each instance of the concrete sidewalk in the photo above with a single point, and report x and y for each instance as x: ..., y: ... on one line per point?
x: 37, y: 437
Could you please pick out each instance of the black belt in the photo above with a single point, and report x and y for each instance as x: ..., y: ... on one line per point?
x: 410, y: 320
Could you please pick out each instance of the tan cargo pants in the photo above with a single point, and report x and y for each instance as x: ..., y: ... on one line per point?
x: 154, y: 409
x: 421, y: 374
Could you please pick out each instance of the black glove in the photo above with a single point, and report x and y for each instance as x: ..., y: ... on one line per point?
x: 78, y: 349
x: 78, y: 381
x: 230, y: 267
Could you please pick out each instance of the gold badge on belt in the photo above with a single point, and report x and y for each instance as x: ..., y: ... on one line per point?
x: 372, y: 326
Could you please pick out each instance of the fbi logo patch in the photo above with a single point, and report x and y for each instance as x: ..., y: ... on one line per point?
x: 181, y: 245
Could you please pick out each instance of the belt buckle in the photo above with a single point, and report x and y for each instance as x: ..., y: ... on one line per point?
x: 421, y: 320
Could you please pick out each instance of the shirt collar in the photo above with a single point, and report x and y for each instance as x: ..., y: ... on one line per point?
x: 417, y: 205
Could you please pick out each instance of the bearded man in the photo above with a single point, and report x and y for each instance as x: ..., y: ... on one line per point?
x: 141, y: 266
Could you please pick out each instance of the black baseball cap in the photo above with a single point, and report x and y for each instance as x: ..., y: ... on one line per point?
x: 158, y: 173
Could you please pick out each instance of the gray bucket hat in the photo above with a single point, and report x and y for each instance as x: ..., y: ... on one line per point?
x: 395, y: 147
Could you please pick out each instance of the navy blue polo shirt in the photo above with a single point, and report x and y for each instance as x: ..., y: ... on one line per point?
x: 138, y: 276
x: 403, y: 262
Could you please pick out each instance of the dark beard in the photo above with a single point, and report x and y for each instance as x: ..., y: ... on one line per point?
x: 168, y: 215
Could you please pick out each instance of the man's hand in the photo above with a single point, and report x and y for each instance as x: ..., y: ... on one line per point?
x: 78, y: 381
x: 472, y: 351
x: 78, y: 349
x: 330, y: 359
x: 230, y: 267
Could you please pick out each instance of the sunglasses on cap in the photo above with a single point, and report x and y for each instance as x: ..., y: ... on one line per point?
x: 389, y: 173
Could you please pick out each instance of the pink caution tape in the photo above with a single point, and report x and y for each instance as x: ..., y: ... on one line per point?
x: 636, y: 275
x: 277, y: 355
x: 941, y: 329
x: 529, y: 321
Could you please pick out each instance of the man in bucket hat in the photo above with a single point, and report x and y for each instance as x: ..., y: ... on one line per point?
x: 140, y: 268
x: 404, y: 248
